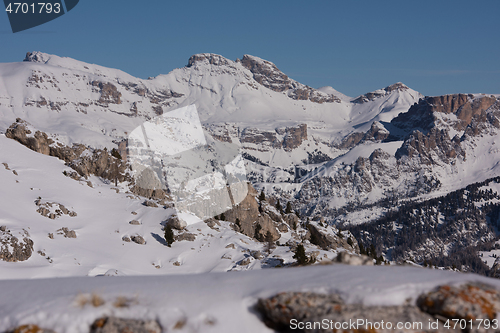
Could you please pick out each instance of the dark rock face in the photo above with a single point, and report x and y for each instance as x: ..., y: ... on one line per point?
x: 116, y: 325
x: 12, y: 249
x: 267, y: 74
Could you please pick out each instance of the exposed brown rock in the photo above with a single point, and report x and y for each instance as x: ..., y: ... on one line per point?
x: 294, y: 137
x: 283, y: 310
x: 115, y: 325
x: 435, y: 143
x: 30, y: 328
x: 12, y: 249
x: 351, y: 140
x: 97, y: 162
x: 66, y: 232
x: 327, y: 239
x: 248, y: 214
x: 109, y: 93
x: 469, y: 302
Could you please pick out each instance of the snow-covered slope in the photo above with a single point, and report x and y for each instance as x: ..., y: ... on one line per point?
x: 87, y: 227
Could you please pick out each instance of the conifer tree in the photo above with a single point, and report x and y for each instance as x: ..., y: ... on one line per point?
x: 262, y: 196
x: 300, y: 255
x: 288, y: 209
x: 169, y: 235
x: 256, y: 234
x: 269, y: 242
x: 278, y: 207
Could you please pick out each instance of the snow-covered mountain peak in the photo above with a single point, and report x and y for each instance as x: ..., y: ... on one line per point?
x: 267, y: 74
x: 209, y: 59
x: 393, y: 88
x: 399, y: 86
x: 37, y: 56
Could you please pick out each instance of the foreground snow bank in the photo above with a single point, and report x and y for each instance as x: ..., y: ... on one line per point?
x: 209, y: 302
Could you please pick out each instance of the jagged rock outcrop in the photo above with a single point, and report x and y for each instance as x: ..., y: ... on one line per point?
x: 267, y: 74
x: 247, y: 213
x: 84, y: 160
x: 13, y: 249
x: 209, y: 58
x: 108, y: 91
x: 351, y: 140
x: 431, y: 148
x: 464, y: 107
x: 377, y: 133
x: 328, y: 238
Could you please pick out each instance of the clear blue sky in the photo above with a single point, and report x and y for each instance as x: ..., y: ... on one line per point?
x: 436, y: 47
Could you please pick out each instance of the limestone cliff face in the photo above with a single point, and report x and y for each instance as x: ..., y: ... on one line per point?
x: 287, y: 138
x: 294, y: 136
x: 464, y: 107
